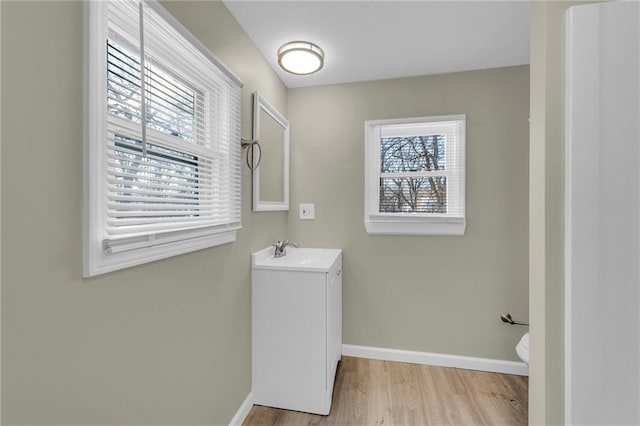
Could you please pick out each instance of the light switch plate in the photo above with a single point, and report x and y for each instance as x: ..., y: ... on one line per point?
x: 307, y: 211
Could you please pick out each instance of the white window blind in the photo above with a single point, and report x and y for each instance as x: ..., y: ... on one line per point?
x: 163, y: 169
x: 414, y: 176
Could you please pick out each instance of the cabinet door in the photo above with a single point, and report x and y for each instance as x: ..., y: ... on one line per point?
x: 289, y: 346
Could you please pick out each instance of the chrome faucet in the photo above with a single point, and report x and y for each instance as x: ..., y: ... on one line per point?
x: 281, y: 248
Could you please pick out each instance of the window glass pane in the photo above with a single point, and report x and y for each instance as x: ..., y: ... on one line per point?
x: 413, y: 195
x: 165, y: 183
x: 412, y: 154
x: 170, y: 103
x: 123, y: 83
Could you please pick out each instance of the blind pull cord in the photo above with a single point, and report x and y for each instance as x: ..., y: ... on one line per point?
x: 143, y: 100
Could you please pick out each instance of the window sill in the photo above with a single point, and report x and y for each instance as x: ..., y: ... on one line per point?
x: 406, y: 226
x: 102, y: 262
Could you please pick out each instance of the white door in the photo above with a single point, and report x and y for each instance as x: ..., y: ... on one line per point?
x: 602, y: 215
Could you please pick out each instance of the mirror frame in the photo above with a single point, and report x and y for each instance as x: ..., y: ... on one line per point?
x: 260, y: 104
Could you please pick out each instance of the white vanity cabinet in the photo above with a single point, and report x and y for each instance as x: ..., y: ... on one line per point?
x: 296, y: 328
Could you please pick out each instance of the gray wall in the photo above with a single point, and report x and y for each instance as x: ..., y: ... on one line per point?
x: 162, y: 343
x: 424, y: 293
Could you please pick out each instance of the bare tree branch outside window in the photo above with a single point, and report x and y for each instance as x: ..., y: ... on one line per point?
x: 407, y: 194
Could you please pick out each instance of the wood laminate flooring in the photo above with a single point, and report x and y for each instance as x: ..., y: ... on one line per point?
x: 373, y: 392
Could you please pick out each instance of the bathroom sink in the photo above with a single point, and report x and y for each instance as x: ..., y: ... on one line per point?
x: 296, y: 259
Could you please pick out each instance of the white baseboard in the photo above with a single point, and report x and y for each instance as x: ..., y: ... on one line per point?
x: 441, y: 360
x: 243, y: 411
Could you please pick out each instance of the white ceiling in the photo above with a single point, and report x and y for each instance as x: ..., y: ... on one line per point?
x: 371, y: 40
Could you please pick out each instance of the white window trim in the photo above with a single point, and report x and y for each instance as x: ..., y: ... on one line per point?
x: 407, y: 223
x: 99, y: 259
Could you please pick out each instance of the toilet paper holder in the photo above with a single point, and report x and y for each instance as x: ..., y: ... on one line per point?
x: 507, y: 318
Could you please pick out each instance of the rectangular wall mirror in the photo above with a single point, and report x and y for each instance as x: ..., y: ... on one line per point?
x: 271, y: 177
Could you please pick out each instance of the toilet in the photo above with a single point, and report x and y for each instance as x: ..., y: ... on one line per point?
x: 522, y: 348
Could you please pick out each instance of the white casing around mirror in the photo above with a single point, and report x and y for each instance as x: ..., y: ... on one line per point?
x: 261, y: 105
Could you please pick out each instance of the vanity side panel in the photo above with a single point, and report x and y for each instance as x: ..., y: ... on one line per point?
x: 334, y: 325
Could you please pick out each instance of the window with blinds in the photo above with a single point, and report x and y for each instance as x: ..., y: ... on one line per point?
x: 414, y: 176
x: 162, y: 160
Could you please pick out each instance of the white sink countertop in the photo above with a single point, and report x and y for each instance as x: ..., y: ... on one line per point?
x: 296, y: 259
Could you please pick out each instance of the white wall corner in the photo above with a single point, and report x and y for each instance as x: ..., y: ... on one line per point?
x: 440, y: 360
x: 243, y: 411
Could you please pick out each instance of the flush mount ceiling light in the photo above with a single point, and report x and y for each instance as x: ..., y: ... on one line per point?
x: 300, y: 57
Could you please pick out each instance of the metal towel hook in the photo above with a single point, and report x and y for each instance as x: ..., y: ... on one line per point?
x: 249, y: 143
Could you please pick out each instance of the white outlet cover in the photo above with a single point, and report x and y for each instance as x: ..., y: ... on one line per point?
x: 307, y: 211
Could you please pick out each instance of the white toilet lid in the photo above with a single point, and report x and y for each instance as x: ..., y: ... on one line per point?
x: 522, y: 348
